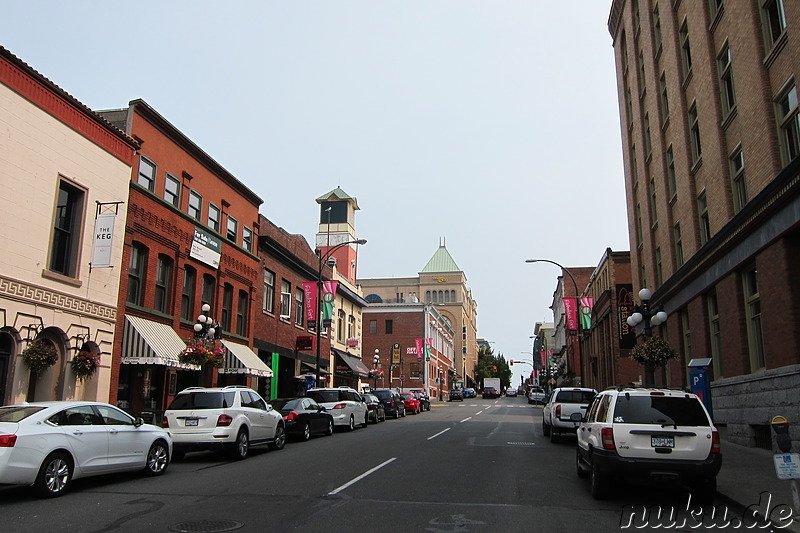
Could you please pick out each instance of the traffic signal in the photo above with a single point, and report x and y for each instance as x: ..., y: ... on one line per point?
x: 494, y: 367
x: 511, y: 363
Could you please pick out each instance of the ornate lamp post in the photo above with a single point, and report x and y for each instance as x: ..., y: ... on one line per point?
x: 207, y: 332
x: 376, y: 363
x: 322, y: 259
x: 650, y: 317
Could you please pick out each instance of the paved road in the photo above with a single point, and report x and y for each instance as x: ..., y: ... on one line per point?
x: 476, y: 466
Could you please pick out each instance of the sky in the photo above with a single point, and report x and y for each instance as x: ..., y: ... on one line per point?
x: 491, y: 125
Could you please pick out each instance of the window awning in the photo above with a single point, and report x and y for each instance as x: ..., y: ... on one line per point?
x: 147, y: 342
x: 354, y: 363
x: 240, y: 359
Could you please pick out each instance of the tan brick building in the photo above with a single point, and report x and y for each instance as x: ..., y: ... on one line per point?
x: 710, y: 133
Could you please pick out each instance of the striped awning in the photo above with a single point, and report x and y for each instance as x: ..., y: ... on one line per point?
x: 146, y: 342
x: 240, y: 359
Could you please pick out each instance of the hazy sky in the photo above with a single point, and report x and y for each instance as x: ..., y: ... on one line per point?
x: 492, y: 124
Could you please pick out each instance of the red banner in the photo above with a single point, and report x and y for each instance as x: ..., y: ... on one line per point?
x: 572, y: 313
x: 419, y: 342
x: 310, y: 302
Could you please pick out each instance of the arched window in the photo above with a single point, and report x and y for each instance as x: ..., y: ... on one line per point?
x: 441, y: 296
x: 187, y: 293
x: 163, y: 284
x: 434, y: 300
x: 373, y: 299
x: 427, y: 297
x: 453, y: 296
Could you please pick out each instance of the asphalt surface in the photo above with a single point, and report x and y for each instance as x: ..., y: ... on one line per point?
x: 472, y: 466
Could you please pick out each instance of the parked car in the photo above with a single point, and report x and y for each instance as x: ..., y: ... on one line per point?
x: 345, y: 404
x: 423, y: 398
x: 469, y: 392
x: 303, y: 417
x: 456, y: 394
x: 393, y: 404
x: 232, y: 418
x: 377, y: 413
x: 557, y: 412
x: 490, y: 392
x: 48, y: 444
x: 658, y: 434
x: 413, y: 404
x: 510, y: 392
x: 536, y: 395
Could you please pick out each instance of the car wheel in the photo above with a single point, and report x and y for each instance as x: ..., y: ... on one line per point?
x: 329, y: 432
x: 599, y: 483
x: 583, y: 474
x: 55, y: 475
x: 396, y: 414
x: 157, y: 459
x: 280, y: 438
x: 241, y: 447
x: 704, y: 491
x: 305, y: 433
x: 545, y: 428
x: 553, y: 436
x: 352, y: 424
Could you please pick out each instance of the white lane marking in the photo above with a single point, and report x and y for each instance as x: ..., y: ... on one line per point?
x: 468, y: 418
x: 434, y: 436
x: 479, y: 412
x: 359, y: 478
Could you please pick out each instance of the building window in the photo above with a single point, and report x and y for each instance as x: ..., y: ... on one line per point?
x: 659, y: 270
x: 727, y: 94
x: 714, y: 6
x: 694, y: 132
x: 269, y: 291
x: 642, y: 84
x: 389, y: 328
x: 702, y: 212
x: 340, y: 325
x: 299, y: 298
x: 195, y: 205
x: 227, y: 307
x: 678, y: 245
x: 213, y: 217
x: 664, y: 98
x: 67, y: 222
x: 136, y: 272
x: 653, y: 206
x: 172, y: 190
x: 231, y: 229
x: 774, y: 21
x: 147, y: 174
x: 373, y: 327
x: 686, y: 334
x: 163, y: 282
x: 737, y: 177
x: 209, y: 289
x: 286, y: 299
x: 686, y: 50
x: 657, y: 29
x: 399, y: 297
x: 648, y: 144
x: 351, y: 326
x: 752, y: 300
x: 672, y: 186
x: 712, y: 308
x: 187, y: 293
x: 788, y: 123
x: 639, y: 225
x: 634, y: 168
x: 241, y: 314
x: 629, y: 106
x: 247, y: 239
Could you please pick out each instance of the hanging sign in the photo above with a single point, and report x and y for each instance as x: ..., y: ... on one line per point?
x: 103, y: 240
x: 587, y: 302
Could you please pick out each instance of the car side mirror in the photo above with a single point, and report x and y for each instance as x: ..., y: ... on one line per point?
x: 139, y: 421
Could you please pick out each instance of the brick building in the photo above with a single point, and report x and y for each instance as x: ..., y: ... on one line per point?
x: 569, y: 358
x: 710, y: 135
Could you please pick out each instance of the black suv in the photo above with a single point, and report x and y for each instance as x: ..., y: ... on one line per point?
x: 393, y: 404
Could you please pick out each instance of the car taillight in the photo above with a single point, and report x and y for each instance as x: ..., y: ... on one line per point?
x: 164, y: 422
x: 224, y: 420
x: 8, y: 441
x: 291, y: 416
x: 391, y: 404
x: 657, y: 393
x: 558, y: 411
x: 340, y: 406
x: 715, y: 444
x: 607, y: 435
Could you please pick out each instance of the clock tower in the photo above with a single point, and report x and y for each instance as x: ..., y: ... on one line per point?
x: 337, y: 214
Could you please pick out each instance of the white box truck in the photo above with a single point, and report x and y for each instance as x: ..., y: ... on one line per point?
x: 491, y: 388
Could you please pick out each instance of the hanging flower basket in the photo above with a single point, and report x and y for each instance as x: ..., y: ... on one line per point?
x: 194, y: 355
x: 654, y: 351
x: 84, y: 364
x: 215, y: 358
x: 39, y: 355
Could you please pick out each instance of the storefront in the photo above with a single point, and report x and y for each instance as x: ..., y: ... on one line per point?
x: 348, y: 369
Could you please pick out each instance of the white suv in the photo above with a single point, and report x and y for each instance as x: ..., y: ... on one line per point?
x: 345, y: 404
x: 559, y: 407
x: 664, y: 435
x: 232, y: 418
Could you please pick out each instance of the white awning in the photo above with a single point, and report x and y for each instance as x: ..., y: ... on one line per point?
x: 147, y: 342
x: 240, y: 359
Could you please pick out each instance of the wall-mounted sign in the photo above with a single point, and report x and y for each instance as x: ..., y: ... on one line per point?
x: 206, y: 248
x: 103, y: 240
x: 352, y: 342
x: 440, y: 279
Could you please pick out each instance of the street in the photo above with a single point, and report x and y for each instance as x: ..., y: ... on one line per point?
x: 478, y: 465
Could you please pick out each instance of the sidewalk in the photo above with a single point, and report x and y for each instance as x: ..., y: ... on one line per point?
x: 747, y: 473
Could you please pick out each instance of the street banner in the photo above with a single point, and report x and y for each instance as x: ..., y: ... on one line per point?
x: 310, y: 303
x: 419, y: 343
x: 572, y: 314
x: 587, y: 302
x: 545, y: 355
x: 626, y: 334
x: 428, y: 346
x: 103, y: 240
x: 328, y: 299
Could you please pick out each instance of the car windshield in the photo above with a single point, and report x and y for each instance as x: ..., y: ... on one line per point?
x: 16, y: 413
x: 661, y: 410
x: 324, y: 396
x: 383, y: 394
x: 286, y: 403
x: 407, y: 395
x: 203, y: 400
x: 574, y: 396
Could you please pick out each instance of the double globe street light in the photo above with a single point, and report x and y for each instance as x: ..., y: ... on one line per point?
x: 650, y: 317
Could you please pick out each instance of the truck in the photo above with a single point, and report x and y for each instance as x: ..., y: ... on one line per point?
x: 491, y: 388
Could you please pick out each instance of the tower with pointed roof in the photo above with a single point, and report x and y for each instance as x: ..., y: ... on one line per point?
x: 337, y: 225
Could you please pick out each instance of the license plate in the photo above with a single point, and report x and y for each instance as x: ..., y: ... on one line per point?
x: 662, y: 442
x: 191, y: 421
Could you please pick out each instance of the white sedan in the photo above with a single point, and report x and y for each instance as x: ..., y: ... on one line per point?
x: 48, y: 444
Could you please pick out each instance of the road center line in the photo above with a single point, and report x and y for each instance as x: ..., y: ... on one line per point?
x: 469, y: 417
x: 442, y: 431
x: 479, y: 412
x: 359, y: 478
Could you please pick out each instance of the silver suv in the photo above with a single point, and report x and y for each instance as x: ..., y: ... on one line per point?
x: 232, y: 418
x: 664, y: 435
x: 345, y: 404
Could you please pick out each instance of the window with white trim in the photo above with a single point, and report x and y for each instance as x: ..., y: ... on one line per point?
x: 147, y: 174
x: 172, y: 190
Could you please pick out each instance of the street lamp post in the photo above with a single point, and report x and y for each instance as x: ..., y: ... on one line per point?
x: 650, y: 317
x: 577, y: 305
x: 206, y: 332
x: 322, y: 258
x: 376, y: 360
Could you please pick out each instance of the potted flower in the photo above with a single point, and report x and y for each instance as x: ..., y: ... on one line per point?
x: 39, y: 355
x: 215, y: 358
x: 194, y: 354
x: 84, y: 364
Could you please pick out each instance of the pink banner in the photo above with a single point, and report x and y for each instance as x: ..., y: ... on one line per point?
x: 310, y: 302
x: 545, y: 355
x: 419, y: 342
x: 572, y: 313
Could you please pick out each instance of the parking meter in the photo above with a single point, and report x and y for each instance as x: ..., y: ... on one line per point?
x: 698, y: 382
x: 780, y: 425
